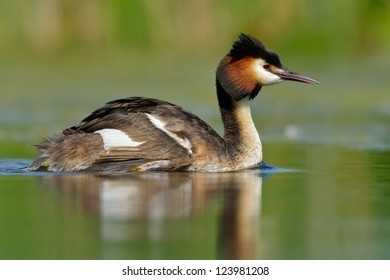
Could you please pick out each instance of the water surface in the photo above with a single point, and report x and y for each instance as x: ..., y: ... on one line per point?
x: 330, y: 199
x: 331, y: 208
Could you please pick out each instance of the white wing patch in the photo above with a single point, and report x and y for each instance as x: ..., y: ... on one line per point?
x: 185, y: 143
x: 116, y: 138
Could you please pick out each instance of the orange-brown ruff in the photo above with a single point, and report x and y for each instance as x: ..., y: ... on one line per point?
x: 142, y: 134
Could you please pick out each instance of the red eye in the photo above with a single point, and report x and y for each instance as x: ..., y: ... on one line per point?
x: 266, y: 66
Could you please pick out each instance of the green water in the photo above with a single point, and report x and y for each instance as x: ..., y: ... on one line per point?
x: 330, y: 199
x: 334, y: 209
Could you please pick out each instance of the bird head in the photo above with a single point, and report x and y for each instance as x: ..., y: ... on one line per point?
x: 249, y: 66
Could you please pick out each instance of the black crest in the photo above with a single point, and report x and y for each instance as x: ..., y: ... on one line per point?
x: 248, y: 46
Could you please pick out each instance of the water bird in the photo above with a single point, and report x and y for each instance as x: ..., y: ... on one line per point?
x: 146, y: 134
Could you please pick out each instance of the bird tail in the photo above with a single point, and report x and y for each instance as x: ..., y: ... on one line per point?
x: 68, y: 152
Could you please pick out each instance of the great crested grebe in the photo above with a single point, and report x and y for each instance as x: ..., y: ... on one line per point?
x: 145, y: 134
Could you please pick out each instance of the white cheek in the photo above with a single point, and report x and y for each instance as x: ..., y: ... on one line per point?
x: 265, y: 77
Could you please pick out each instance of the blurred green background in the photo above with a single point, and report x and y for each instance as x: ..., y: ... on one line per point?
x: 58, y: 27
x: 60, y: 59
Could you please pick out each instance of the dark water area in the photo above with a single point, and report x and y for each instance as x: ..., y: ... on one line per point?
x: 335, y: 206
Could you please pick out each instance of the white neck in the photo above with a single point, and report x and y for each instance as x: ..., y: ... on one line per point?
x: 243, y: 141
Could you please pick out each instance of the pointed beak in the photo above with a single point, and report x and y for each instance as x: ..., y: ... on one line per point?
x: 287, y: 75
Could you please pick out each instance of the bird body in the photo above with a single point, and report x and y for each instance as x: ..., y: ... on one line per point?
x: 145, y: 134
